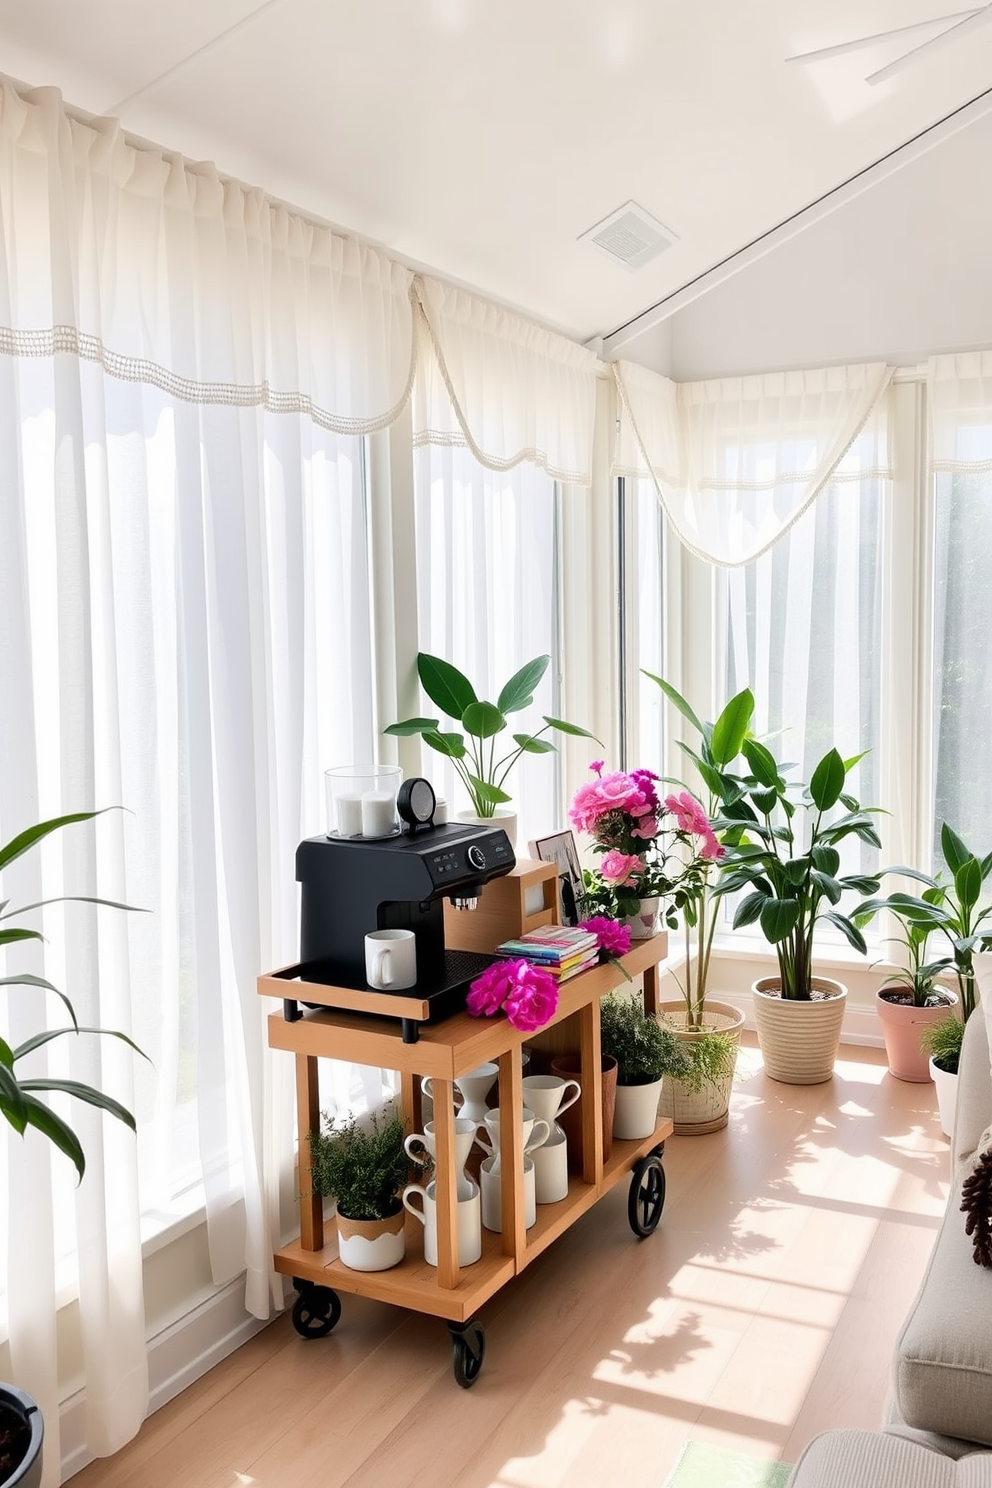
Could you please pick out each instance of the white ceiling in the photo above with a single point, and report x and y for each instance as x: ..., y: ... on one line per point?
x: 480, y: 138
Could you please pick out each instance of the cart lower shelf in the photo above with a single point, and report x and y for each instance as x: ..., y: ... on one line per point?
x: 320, y: 1274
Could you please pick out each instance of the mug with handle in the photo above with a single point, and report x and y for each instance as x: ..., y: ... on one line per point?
x: 391, y: 959
x: 469, y: 1221
x: 534, y: 1133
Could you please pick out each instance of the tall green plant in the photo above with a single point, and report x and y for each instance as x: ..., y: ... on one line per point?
x: 19, y: 1097
x: 474, y: 752
x: 720, y: 746
x: 951, y: 907
x: 786, y: 854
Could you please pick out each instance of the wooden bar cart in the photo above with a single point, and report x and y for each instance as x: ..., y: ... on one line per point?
x: 444, y: 1051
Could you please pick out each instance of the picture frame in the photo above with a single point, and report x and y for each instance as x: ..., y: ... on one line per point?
x: 560, y: 848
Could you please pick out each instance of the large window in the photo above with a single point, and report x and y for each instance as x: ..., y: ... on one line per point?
x: 487, y: 566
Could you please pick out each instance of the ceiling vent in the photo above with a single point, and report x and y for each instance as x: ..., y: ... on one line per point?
x: 630, y: 236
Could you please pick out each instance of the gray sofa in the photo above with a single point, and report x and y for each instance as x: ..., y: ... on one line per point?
x: 939, y: 1431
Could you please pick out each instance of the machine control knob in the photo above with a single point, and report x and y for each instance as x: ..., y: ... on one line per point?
x: 476, y: 857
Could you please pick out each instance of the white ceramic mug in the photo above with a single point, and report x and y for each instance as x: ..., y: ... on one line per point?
x: 390, y: 959
x: 423, y: 1145
x: 534, y: 1133
x: 469, y: 1221
x: 551, y: 1169
x: 491, y: 1183
x: 549, y: 1095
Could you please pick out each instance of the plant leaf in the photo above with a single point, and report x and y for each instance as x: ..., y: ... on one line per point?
x: 749, y: 909
x: 12, y: 1101
x: 778, y: 918
x: 530, y: 745
x: 519, y: 691
x: 488, y: 793
x: 445, y: 685
x: 20, y: 844
x: 968, y: 883
x: 730, y: 729
x: 570, y: 728
x: 762, y: 763
x: 38, y: 1040
x: 7, y: 937
x: 954, y: 850
x: 44, y: 1119
x: 827, y: 781
x: 677, y: 701
x: 75, y: 899
x: 483, y: 720
x: 851, y: 932
x: 453, y: 745
x: 85, y: 1093
x: 411, y: 726
x: 764, y: 801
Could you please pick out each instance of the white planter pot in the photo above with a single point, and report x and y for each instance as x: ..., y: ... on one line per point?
x: 635, y: 1114
x: 799, y: 1040
x: 645, y: 922
x: 503, y: 817
x: 371, y: 1244
x: 947, y: 1097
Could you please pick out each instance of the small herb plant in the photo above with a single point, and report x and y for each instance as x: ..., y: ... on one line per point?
x: 942, y: 1041
x: 643, y: 1049
x: 361, y: 1165
x: 474, y: 751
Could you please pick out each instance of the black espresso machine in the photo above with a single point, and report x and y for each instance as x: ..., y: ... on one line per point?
x: 352, y: 885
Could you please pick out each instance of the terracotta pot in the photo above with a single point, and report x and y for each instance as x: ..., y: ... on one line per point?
x: 569, y: 1067
x: 695, y: 1113
x: 799, y: 1040
x: 902, y: 1026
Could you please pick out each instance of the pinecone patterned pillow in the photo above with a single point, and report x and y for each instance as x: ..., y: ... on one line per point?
x: 976, y: 1201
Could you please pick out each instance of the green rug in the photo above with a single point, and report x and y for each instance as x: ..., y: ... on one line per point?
x: 704, y: 1466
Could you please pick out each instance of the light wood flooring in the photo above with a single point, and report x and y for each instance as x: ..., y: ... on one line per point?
x: 763, y: 1310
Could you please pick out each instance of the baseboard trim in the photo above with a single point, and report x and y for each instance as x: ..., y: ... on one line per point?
x: 177, y: 1356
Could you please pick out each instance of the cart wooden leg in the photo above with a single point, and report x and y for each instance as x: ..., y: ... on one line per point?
x: 590, y: 1051
x: 308, y: 1120
x: 511, y: 1146
x: 650, y: 989
x: 446, y: 1188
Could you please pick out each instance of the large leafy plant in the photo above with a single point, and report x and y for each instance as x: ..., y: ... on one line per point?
x: 475, y: 752
x: 951, y: 906
x: 20, y: 1101
x: 783, y: 847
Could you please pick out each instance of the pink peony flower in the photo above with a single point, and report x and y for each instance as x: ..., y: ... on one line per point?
x: 532, y: 1000
x: 597, y: 766
x: 711, y: 848
x: 487, y: 993
x: 613, y: 937
x: 620, y: 868
x: 646, y: 828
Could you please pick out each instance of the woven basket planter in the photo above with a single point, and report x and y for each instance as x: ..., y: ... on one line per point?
x: 697, y: 1112
x: 799, y: 1040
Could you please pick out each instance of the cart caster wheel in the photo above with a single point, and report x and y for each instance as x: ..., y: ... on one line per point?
x: 316, y: 1311
x: 468, y: 1349
x: 646, y: 1198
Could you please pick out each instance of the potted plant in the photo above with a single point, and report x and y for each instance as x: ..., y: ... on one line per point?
x: 783, y: 845
x: 363, y: 1166
x: 710, y: 1030
x: 23, y: 1103
x: 912, y: 998
x: 952, y: 907
x: 645, y: 1052
x: 473, y: 752
x: 622, y: 813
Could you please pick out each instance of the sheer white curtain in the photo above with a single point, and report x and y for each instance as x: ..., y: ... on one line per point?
x: 736, y: 461
x: 507, y: 388
x: 183, y: 600
x: 488, y: 598
x: 960, y: 398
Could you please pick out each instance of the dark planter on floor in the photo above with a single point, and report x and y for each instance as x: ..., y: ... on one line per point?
x: 21, y: 1432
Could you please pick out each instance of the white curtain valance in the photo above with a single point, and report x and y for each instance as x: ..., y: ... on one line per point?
x: 736, y: 461
x: 960, y: 388
x: 508, y: 388
x: 168, y: 274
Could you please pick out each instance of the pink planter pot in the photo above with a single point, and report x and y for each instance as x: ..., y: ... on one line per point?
x: 902, y: 1029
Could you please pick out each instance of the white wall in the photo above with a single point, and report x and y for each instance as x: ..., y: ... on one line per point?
x: 897, y: 273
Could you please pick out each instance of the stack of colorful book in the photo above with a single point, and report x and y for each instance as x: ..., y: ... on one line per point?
x: 563, y: 950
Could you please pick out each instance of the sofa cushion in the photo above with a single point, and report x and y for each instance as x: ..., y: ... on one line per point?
x: 873, y: 1459
x: 942, y: 1375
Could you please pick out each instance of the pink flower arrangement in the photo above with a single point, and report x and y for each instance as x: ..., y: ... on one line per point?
x: 622, y: 813
x: 527, y: 994
x: 694, y: 822
x: 612, y: 936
